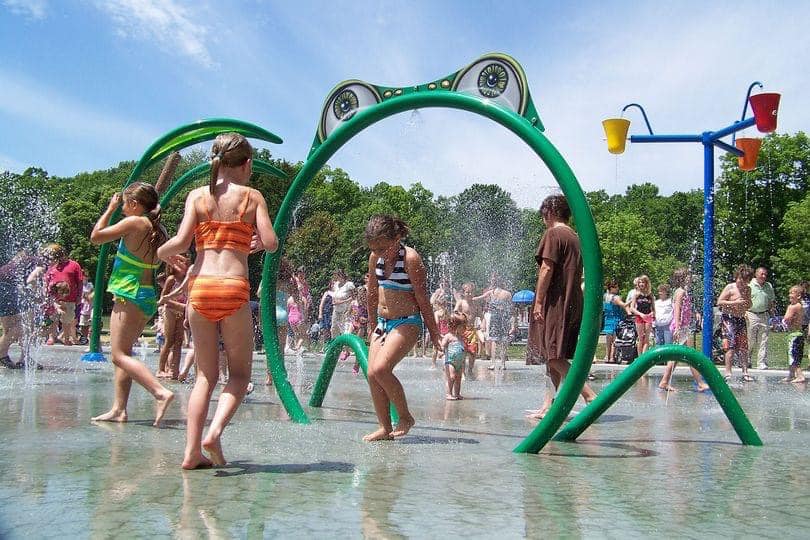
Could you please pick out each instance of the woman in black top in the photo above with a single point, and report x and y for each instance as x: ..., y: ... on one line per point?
x: 642, y: 307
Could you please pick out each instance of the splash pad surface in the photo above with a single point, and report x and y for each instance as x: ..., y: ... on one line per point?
x: 653, y: 464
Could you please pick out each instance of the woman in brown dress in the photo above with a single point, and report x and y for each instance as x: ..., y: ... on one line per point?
x: 557, y: 310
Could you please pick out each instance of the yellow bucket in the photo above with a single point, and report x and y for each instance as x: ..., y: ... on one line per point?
x: 616, y: 131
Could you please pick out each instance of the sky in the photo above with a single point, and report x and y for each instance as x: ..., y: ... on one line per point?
x: 85, y: 84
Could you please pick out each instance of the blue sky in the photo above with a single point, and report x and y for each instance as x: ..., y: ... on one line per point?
x: 86, y: 84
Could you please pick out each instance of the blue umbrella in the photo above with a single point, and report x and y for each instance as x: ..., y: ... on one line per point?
x: 523, y: 297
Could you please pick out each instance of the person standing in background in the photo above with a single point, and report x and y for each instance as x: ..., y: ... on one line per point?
x: 762, y: 303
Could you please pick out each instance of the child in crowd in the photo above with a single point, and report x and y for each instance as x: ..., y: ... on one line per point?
x: 132, y: 284
x: 680, y: 328
x: 642, y: 306
x: 173, y: 300
x: 224, y: 219
x: 325, y: 316
x: 442, y: 317
x: 452, y: 345
x: 663, y: 316
x: 614, y: 311
x: 359, y: 317
x: 296, y: 307
x: 86, y: 311
x: 793, y: 319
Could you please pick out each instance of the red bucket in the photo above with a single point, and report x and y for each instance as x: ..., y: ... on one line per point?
x: 765, y: 107
x: 748, y: 162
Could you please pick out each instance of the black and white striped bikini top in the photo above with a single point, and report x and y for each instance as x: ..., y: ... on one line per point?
x: 399, y: 278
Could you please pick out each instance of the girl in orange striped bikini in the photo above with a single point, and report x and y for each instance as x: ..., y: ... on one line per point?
x: 222, y: 220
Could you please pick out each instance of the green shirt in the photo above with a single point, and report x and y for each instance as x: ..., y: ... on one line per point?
x: 762, y: 296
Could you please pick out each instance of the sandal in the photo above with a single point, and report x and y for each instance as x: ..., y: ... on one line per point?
x: 727, y: 378
x: 8, y: 364
x: 747, y: 378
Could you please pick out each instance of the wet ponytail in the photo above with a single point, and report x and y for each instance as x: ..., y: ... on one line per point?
x: 146, y: 195
x: 215, y: 161
x: 229, y: 150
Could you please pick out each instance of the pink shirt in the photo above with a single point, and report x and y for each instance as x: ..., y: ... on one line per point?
x: 71, y: 273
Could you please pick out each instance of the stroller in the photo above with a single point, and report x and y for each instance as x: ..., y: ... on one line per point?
x: 625, y: 342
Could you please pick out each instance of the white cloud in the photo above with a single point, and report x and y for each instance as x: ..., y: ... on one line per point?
x: 165, y: 22
x: 88, y: 127
x: 8, y: 163
x: 32, y: 9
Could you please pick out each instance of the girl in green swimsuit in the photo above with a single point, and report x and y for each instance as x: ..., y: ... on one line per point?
x: 132, y: 284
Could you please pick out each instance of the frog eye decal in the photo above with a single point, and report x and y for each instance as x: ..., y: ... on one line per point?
x: 496, y: 77
x: 343, y: 103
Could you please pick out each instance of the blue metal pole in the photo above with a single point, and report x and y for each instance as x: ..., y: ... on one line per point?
x: 665, y: 138
x: 708, y: 243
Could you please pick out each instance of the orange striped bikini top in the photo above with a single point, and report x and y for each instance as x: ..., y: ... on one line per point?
x: 235, y: 235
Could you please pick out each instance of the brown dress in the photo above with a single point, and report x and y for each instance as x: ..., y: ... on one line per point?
x: 556, y: 335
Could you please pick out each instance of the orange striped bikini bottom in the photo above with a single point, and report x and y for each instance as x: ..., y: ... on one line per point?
x: 217, y: 297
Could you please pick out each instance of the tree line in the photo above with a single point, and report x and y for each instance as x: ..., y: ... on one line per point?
x: 762, y: 218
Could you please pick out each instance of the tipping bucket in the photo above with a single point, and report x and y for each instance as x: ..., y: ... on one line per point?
x: 750, y: 146
x: 765, y: 107
x: 616, y: 132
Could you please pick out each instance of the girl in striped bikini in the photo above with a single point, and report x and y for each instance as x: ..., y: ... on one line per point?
x: 398, y: 301
x: 222, y: 219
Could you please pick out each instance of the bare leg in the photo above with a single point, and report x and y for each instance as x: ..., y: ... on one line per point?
x: 449, y: 377
x: 457, y: 383
x: 12, y: 331
x: 561, y: 367
x: 728, y: 358
x: 385, y: 387
x: 237, y: 333
x: 665, y: 380
x: 206, y: 355
x: 126, y: 325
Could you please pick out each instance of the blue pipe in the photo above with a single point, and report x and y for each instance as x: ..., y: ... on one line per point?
x: 644, y: 114
x: 728, y: 148
x: 736, y: 126
x: 745, y: 106
x: 665, y: 138
x: 708, y: 244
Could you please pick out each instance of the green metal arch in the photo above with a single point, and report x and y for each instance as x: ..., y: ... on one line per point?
x: 175, y: 140
x: 659, y: 355
x: 526, y: 130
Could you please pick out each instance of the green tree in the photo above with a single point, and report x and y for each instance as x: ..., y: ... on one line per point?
x: 628, y: 247
x: 791, y: 261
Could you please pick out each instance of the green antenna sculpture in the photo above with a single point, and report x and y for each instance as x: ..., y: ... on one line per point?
x: 493, y: 86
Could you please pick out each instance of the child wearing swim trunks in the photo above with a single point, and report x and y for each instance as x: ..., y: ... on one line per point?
x: 398, y: 301
x: 452, y: 346
x: 132, y: 283
x: 733, y: 302
x: 227, y: 221
x: 793, y: 319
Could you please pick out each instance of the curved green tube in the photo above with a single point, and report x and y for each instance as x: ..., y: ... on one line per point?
x: 174, y: 140
x: 534, y: 138
x: 330, y: 355
x: 659, y: 355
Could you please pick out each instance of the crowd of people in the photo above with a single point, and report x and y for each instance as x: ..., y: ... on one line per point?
x: 203, y: 298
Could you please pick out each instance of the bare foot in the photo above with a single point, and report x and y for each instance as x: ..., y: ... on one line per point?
x: 448, y: 397
x: 214, y: 448
x: 198, y: 461
x: 667, y: 388
x: 703, y: 388
x: 403, y: 427
x: 538, y: 414
x: 162, y: 404
x: 269, y: 380
x: 798, y: 380
x: 381, y: 434
x: 113, y: 415
x: 162, y: 374
x: 459, y: 396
